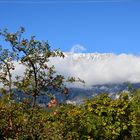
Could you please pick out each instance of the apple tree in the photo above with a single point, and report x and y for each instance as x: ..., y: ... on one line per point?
x: 39, y: 78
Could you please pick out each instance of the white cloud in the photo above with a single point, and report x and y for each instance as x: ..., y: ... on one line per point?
x: 100, y: 68
x: 96, y: 68
x: 77, y: 48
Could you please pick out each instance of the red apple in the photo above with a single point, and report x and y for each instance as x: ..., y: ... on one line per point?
x: 49, y: 105
x: 53, y: 101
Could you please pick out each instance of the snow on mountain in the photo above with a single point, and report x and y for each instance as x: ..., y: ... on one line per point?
x: 96, y: 68
x: 88, y: 56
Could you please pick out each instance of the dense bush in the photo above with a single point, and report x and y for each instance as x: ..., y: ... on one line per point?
x: 99, y: 118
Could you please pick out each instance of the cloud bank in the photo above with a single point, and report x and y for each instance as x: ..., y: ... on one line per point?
x: 100, y: 68
x: 95, y: 68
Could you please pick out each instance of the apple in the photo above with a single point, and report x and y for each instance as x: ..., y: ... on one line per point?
x: 49, y: 105
x: 53, y: 101
x: 45, y: 66
x: 24, y: 42
x: 54, y: 113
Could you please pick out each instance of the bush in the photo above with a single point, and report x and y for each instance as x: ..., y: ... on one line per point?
x: 99, y: 118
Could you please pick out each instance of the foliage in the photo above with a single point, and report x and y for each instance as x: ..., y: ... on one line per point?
x: 99, y: 118
x: 39, y: 79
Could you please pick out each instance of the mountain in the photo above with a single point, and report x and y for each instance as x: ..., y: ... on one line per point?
x: 102, y: 73
x: 78, y: 95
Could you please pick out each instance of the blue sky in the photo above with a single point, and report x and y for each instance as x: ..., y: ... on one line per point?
x: 104, y: 26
